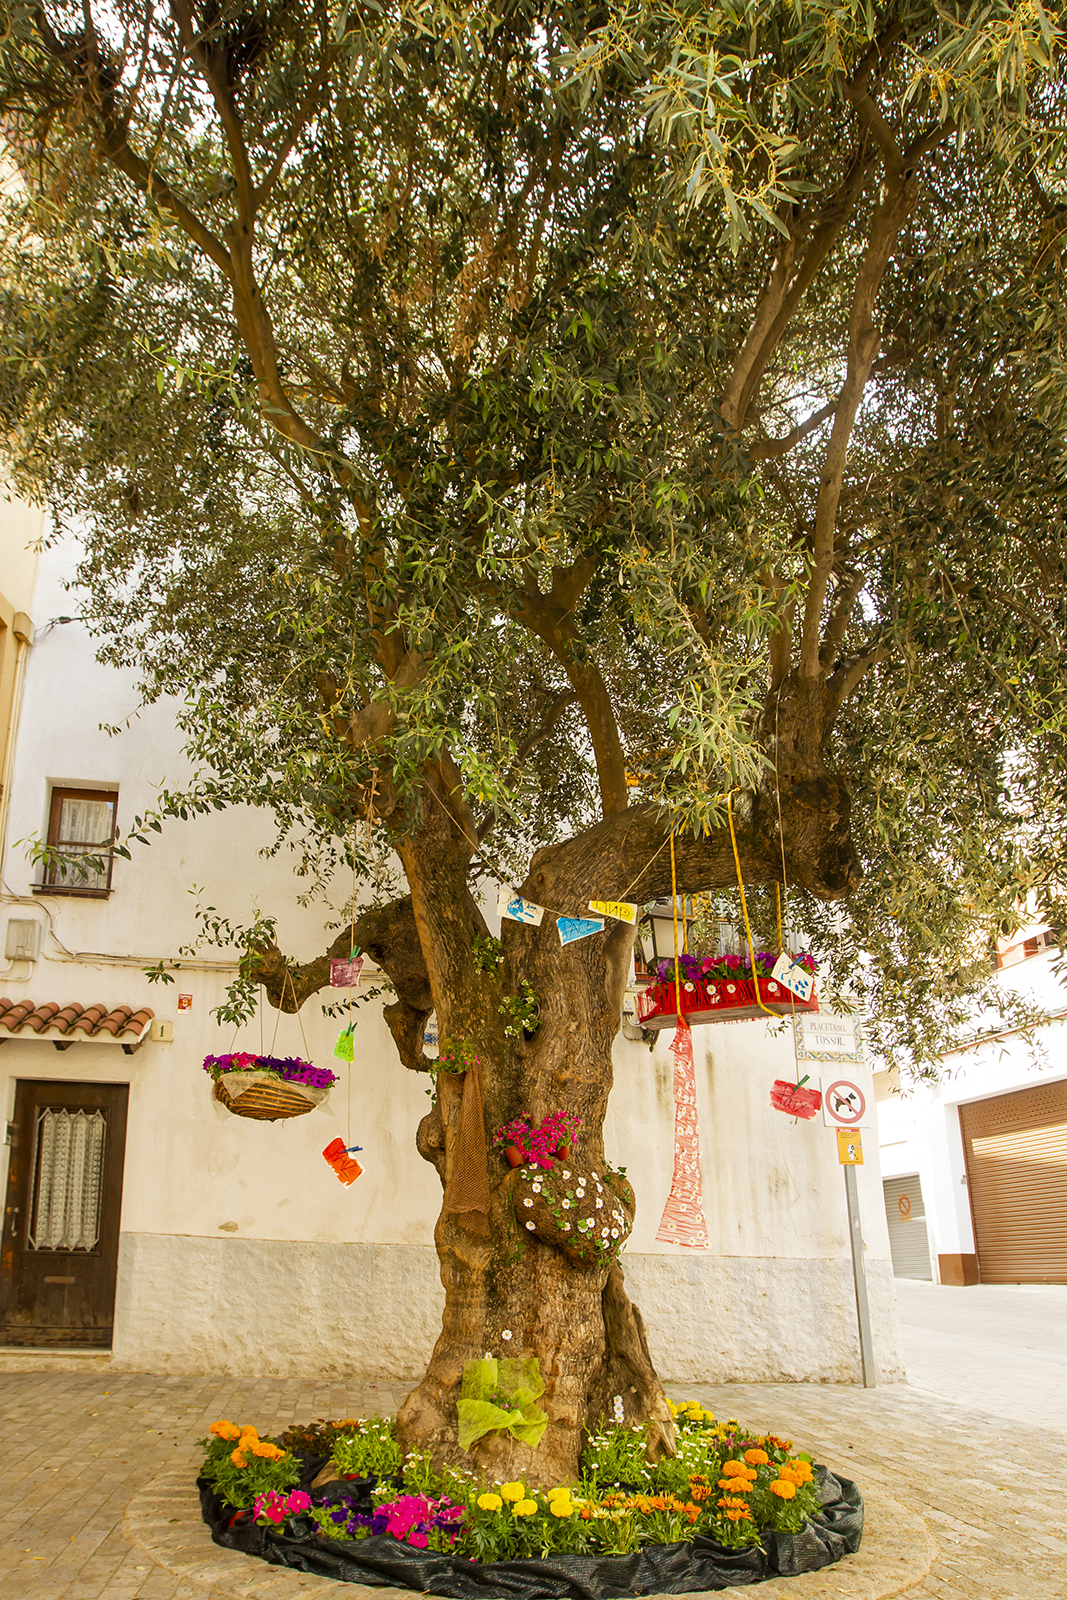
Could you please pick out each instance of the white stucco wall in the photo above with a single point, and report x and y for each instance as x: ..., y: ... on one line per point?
x: 240, y: 1250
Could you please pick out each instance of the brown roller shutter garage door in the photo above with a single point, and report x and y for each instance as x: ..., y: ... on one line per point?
x: 1016, y: 1151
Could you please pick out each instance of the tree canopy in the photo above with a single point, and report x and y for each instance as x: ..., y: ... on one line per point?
x: 586, y: 404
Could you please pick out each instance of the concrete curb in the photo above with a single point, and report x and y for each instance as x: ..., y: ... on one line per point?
x: 163, y: 1519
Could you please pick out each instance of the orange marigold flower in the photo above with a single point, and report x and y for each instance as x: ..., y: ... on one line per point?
x: 238, y: 1458
x: 224, y: 1430
x: 731, y: 1469
x: 248, y: 1432
x: 269, y: 1452
x: 784, y: 1488
x: 757, y: 1458
x: 735, y: 1485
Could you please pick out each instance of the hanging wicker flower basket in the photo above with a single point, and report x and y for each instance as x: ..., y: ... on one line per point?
x: 265, y: 1097
x: 266, y: 1088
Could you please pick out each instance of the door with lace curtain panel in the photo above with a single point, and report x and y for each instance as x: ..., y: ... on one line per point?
x: 59, y: 1249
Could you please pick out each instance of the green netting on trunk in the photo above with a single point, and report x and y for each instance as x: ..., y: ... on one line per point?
x: 500, y: 1397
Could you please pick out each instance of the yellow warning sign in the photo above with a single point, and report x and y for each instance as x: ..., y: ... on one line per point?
x: 849, y: 1147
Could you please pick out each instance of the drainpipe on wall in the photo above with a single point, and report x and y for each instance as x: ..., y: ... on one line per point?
x: 22, y: 628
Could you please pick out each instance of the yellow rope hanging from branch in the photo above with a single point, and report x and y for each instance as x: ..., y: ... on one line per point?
x: 744, y: 906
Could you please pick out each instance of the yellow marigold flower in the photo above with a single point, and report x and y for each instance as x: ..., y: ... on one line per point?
x: 238, y: 1458
x: 757, y: 1458
x: 784, y: 1488
x: 673, y: 1407
x: 734, y: 1469
x: 560, y: 1506
x: 524, y: 1508
x: 560, y: 1489
x: 490, y: 1502
x: 513, y: 1491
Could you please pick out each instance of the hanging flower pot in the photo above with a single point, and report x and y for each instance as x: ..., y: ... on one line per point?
x: 719, y: 989
x: 268, y: 1088
x: 538, y: 1145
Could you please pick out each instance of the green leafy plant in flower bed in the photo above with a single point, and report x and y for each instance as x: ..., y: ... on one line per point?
x: 241, y: 1467
x: 370, y: 1451
x: 725, y: 1483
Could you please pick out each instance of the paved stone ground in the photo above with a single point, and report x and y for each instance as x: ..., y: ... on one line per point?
x: 954, y: 1338
x: 76, y: 1446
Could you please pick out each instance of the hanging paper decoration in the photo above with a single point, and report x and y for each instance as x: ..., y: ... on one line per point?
x: 621, y: 910
x: 795, y: 1100
x: 792, y: 975
x: 683, y: 1215
x: 342, y: 1159
x: 345, y: 974
x: 345, y: 1049
x: 572, y: 928
x: 510, y: 904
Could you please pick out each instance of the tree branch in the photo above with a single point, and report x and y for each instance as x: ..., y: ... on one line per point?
x: 845, y: 596
x: 389, y: 936
x: 863, y: 338
x: 550, y: 617
x: 206, y: 56
x: 769, y: 449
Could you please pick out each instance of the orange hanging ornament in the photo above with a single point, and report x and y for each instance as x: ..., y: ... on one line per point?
x: 343, y: 1162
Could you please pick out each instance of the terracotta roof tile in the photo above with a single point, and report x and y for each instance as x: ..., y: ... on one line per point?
x: 22, y: 1016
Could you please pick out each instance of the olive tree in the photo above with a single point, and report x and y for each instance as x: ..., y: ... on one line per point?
x: 522, y: 434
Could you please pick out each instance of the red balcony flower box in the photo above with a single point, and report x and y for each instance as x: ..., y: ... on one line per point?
x: 717, y: 1000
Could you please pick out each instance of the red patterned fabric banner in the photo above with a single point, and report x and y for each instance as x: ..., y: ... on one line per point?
x: 683, y: 1215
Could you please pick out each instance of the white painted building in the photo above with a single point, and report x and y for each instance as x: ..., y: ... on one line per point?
x: 237, y: 1249
x: 975, y: 1167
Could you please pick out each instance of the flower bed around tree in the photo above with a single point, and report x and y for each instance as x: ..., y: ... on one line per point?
x: 340, y: 1499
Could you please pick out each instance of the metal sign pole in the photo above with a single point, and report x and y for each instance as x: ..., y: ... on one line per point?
x: 859, y: 1276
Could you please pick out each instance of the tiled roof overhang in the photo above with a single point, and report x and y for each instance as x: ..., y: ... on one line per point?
x: 74, y: 1024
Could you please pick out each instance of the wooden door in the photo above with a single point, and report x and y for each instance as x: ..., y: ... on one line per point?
x: 1016, y: 1151
x: 60, y: 1244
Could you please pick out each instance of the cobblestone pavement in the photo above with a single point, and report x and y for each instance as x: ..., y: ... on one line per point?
x: 76, y: 1446
x: 953, y: 1339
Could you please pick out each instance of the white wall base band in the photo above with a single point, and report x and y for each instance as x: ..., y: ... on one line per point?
x: 188, y: 1304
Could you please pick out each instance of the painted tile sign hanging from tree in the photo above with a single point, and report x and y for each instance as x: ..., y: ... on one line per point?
x: 683, y: 1215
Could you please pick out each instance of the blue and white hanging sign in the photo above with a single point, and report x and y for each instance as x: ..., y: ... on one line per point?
x: 510, y: 904
x: 572, y: 928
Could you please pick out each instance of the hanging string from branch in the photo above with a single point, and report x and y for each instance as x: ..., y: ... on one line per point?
x: 744, y: 907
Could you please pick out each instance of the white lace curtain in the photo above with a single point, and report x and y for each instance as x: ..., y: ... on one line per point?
x: 70, y: 1165
x: 85, y: 828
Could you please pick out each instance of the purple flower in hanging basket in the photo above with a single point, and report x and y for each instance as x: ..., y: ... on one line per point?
x: 291, y: 1069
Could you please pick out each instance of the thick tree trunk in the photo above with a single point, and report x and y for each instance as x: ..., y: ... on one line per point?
x: 535, y: 1284
x: 524, y: 1280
